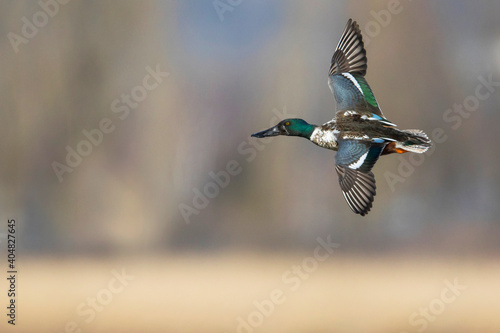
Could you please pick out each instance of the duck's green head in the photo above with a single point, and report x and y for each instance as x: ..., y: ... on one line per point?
x: 288, y: 127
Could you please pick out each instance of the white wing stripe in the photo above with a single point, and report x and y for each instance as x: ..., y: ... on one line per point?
x: 360, y: 161
x: 354, y: 81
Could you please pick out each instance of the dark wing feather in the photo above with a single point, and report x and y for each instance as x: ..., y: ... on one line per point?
x: 358, y: 189
x: 350, y: 54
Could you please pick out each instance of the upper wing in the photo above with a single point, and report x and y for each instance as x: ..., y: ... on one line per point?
x: 353, y: 163
x: 347, y: 71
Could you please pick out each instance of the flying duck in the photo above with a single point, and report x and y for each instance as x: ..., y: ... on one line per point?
x: 359, y: 132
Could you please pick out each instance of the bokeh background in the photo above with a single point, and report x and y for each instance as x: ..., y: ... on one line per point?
x: 234, y: 68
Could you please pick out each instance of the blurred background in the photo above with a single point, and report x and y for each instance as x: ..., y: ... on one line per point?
x: 143, y: 205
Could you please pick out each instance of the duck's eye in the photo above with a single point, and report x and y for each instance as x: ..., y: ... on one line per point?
x: 287, y: 123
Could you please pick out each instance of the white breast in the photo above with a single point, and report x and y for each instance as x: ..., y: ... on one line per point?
x: 325, y: 139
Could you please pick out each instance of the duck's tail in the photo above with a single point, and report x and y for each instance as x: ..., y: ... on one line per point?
x: 411, y: 140
x: 417, y: 142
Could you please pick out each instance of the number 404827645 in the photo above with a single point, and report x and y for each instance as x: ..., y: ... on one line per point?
x: 11, y: 241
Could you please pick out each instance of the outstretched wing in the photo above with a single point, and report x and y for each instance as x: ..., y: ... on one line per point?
x: 347, y: 71
x: 353, y: 163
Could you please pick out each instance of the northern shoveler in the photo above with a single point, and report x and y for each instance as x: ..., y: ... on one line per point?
x: 359, y: 132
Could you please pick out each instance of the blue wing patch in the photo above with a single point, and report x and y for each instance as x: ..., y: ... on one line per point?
x: 347, y: 95
x: 358, y: 155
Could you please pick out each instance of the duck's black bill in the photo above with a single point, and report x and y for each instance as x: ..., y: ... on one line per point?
x: 273, y: 131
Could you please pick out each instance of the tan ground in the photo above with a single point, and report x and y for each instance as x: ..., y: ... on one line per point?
x: 191, y: 293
